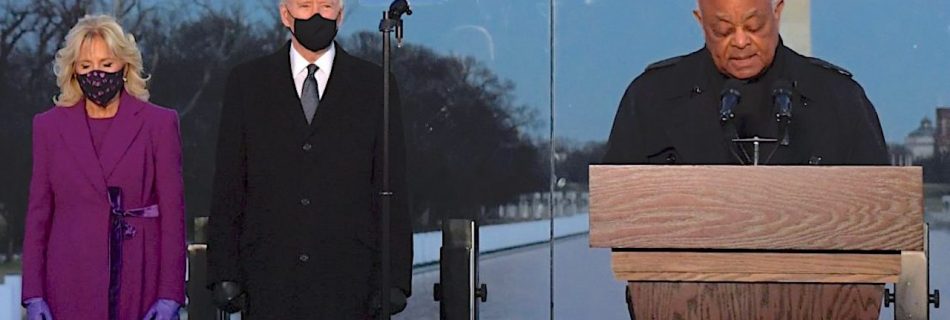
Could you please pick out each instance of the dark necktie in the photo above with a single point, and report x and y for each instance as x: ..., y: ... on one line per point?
x: 309, y: 96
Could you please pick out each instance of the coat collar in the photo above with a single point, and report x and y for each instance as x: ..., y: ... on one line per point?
x: 125, y: 127
x: 286, y: 99
x: 693, y: 107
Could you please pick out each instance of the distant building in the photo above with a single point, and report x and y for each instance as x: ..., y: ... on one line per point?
x: 900, y: 155
x: 942, y: 135
x: 920, y: 142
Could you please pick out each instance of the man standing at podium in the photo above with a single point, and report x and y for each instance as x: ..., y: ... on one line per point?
x: 708, y: 106
x: 691, y: 109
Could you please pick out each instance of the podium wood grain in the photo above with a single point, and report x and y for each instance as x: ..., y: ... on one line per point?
x: 766, y: 207
x: 756, y: 266
x: 756, y: 277
x: 787, y: 301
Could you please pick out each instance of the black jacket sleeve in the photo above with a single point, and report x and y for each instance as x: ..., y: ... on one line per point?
x: 229, y: 189
x: 866, y: 139
x: 623, y: 144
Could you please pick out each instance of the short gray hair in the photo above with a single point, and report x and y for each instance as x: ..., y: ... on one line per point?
x: 774, y: 3
x: 342, y: 2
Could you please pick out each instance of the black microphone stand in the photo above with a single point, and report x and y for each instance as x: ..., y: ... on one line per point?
x: 392, y: 21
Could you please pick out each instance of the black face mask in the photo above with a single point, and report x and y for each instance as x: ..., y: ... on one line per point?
x: 100, y: 87
x: 315, y: 33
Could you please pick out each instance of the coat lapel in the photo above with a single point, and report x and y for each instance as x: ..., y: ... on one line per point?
x: 335, y: 92
x: 697, y: 114
x: 75, y: 132
x: 284, y: 91
x: 125, y: 127
x: 809, y: 124
x: 693, y: 108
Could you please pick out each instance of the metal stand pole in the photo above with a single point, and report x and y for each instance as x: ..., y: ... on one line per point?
x: 392, y: 21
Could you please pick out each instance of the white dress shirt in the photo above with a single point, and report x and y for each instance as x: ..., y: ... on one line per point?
x: 298, y: 66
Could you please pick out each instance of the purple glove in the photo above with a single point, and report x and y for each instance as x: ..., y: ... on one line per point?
x: 163, y: 309
x: 36, y: 309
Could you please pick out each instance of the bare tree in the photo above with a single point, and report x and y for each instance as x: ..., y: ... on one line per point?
x: 227, y: 32
x: 467, y: 146
x: 13, y: 26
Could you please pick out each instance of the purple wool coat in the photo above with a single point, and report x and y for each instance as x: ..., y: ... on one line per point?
x: 66, y: 245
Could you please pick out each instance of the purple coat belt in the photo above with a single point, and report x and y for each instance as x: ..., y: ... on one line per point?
x: 121, y: 230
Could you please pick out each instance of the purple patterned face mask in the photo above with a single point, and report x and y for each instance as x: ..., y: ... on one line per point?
x: 100, y: 87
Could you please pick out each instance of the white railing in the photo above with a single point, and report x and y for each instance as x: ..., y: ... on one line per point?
x: 425, y: 249
x: 10, y: 298
x: 501, y: 237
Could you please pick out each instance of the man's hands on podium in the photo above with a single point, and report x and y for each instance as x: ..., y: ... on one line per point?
x: 228, y: 296
x: 397, y: 301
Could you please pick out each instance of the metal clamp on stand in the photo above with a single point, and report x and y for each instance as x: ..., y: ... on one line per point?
x: 458, y: 288
x: 912, y: 295
x: 756, y: 147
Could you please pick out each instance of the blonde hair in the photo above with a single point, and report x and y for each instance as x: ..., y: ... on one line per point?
x: 122, y: 45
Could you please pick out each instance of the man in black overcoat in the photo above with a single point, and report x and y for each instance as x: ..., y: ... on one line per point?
x: 294, y: 228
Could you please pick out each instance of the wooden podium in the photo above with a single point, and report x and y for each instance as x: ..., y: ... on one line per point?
x: 764, y: 242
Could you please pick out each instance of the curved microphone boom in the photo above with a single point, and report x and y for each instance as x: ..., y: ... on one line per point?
x: 396, y: 10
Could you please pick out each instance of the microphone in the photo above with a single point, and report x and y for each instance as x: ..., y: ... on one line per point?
x: 729, y: 98
x: 782, y: 105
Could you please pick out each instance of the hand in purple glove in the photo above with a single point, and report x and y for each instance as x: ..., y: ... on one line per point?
x: 163, y: 309
x: 36, y: 309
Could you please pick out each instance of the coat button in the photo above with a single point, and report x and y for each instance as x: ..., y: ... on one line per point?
x: 305, y: 202
x: 307, y: 146
x: 303, y: 258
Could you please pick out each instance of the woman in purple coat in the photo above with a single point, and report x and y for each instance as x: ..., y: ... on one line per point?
x: 105, y: 225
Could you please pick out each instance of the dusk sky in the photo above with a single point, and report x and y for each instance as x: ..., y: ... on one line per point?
x: 899, y: 51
